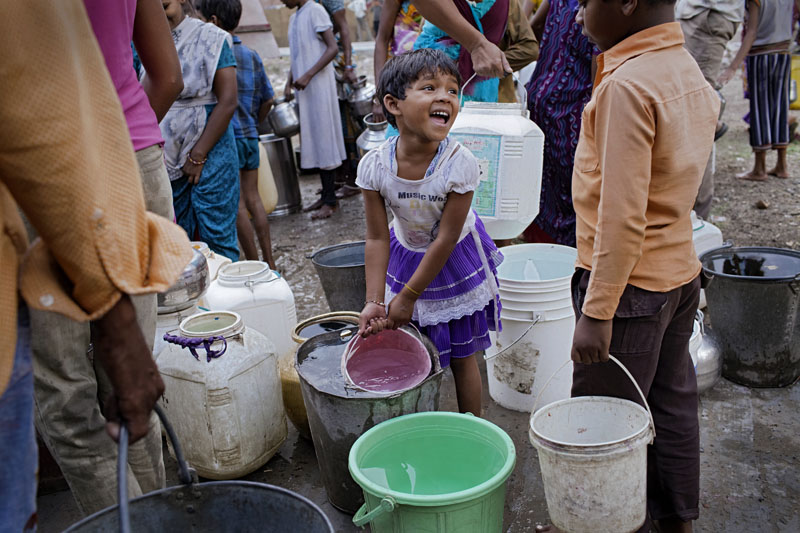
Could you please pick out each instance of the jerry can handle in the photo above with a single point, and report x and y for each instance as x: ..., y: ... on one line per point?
x: 362, y: 517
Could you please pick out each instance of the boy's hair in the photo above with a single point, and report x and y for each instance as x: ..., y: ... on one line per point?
x: 401, y: 71
x: 228, y: 12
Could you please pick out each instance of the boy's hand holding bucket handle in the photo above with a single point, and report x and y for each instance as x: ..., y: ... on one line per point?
x: 592, y: 340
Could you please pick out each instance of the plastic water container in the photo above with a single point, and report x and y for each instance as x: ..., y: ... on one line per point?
x: 538, y: 319
x: 706, y: 236
x: 170, y: 323
x: 261, y: 296
x: 509, y: 148
x: 215, y: 261
x: 226, y: 409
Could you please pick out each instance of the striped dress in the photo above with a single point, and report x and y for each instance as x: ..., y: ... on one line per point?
x: 560, y: 87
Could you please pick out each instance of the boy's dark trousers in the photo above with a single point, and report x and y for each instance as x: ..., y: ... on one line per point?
x: 328, y: 179
x: 650, y: 337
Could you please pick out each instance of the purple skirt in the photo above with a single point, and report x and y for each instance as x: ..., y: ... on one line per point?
x: 459, y: 295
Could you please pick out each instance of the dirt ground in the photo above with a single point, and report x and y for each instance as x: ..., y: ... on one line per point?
x: 750, y: 444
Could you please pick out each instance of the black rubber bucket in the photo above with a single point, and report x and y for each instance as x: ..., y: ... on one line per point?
x: 754, y: 307
x: 201, y: 507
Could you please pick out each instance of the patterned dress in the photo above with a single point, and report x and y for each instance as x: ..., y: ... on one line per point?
x: 560, y: 87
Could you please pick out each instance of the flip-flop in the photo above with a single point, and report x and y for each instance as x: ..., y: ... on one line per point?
x: 720, y: 132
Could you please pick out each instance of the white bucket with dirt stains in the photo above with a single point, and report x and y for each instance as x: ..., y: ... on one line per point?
x: 593, y: 458
x: 534, y: 285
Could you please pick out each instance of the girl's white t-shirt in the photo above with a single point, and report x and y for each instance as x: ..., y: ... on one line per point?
x: 417, y: 205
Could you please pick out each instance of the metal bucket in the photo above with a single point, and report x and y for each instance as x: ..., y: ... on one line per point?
x: 754, y: 306
x: 281, y: 162
x: 214, y: 506
x: 338, y: 415
x: 340, y: 269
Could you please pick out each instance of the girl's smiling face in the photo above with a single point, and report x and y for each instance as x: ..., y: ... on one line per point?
x: 429, y: 108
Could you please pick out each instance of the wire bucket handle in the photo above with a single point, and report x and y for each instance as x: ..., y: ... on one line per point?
x: 537, y: 317
x: 461, y: 90
x: 627, y: 373
x: 186, y: 475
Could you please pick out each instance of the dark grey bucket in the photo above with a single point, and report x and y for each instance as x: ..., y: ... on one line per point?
x: 337, y: 420
x: 201, y: 507
x: 340, y: 269
x: 754, y: 307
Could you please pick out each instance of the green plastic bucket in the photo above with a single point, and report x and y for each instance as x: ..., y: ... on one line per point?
x: 433, y: 472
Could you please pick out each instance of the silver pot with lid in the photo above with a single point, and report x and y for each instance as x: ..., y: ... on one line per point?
x: 191, y: 285
x: 284, y: 118
x: 372, y: 137
x: 360, y: 97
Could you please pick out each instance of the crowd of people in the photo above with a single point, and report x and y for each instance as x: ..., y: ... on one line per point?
x: 96, y: 214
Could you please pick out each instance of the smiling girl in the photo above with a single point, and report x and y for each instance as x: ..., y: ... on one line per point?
x: 435, y: 266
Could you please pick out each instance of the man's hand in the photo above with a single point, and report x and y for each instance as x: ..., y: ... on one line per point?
x: 349, y: 75
x: 725, y: 77
x: 123, y: 354
x: 489, y: 61
x: 288, y: 93
x: 591, y: 340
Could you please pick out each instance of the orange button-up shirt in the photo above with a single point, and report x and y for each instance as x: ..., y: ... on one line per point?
x: 645, y: 139
x: 67, y: 161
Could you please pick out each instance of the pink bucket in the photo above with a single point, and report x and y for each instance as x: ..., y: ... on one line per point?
x: 387, y: 363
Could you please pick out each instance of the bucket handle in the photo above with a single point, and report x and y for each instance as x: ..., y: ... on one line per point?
x: 461, y: 91
x: 627, y: 373
x: 186, y: 475
x: 537, y: 317
x: 362, y: 517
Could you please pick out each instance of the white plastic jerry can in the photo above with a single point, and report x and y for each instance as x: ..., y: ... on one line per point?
x: 261, y: 296
x: 705, y: 236
x: 510, y: 149
x: 223, y: 395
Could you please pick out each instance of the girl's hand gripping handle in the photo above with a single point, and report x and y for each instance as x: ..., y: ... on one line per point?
x: 401, y: 308
x: 372, y: 319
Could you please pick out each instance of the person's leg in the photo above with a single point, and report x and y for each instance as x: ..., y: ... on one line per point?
x: 760, y: 131
x: 328, y: 196
x: 706, y: 36
x: 780, y: 70
x: 68, y: 414
x: 259, y: 221
x: 155, y: 181
x: 18, y: 439
x: 244, y: 230
x: 182, y: 202
x: 215, y: 199
x: 467, y: 377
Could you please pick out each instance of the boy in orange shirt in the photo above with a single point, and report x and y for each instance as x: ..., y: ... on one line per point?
x: 645, y: 139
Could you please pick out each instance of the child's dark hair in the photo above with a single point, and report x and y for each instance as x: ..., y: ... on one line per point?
x: 228, y: 12
x: 401, y: 71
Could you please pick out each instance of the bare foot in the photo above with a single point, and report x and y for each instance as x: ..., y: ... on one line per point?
x: 324, y: 212
x: 753, y: 176
x: 313, y: 207
x: 779, y: 173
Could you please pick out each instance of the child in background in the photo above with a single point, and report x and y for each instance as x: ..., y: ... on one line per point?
x: 436, y: 266
x: 645, y: 139
x: 255, y: 101
x: 766, y: 48
x: 199, y: 149
x: 312, y: 48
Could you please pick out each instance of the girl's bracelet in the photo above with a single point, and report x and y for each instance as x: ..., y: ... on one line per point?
x: 415, y: 293
x: 203, y: 162
x: 376, y: 302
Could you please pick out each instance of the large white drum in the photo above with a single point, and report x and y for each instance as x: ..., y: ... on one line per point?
x: 226, y: 408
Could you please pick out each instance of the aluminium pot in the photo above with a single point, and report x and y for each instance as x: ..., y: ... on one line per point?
x: 284, y: 118
x: 190, y: 286
x: 360, y: 97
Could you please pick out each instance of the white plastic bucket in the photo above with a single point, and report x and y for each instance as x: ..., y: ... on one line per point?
x: 593, y: 459
x: 534, y: 287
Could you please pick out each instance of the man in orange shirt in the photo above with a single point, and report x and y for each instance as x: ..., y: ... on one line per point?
x: 645, y: 139
x: 67, y: 162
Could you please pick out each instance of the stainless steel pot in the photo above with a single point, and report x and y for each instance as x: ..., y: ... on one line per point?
x: 372, y: 137
x: 285, y: 118
x: 191, y: 285
x: 282, y: 163
x: 709, y: 358
x: 360, y: 97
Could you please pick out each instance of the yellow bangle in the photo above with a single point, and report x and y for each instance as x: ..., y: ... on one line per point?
x: 415, y: 293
